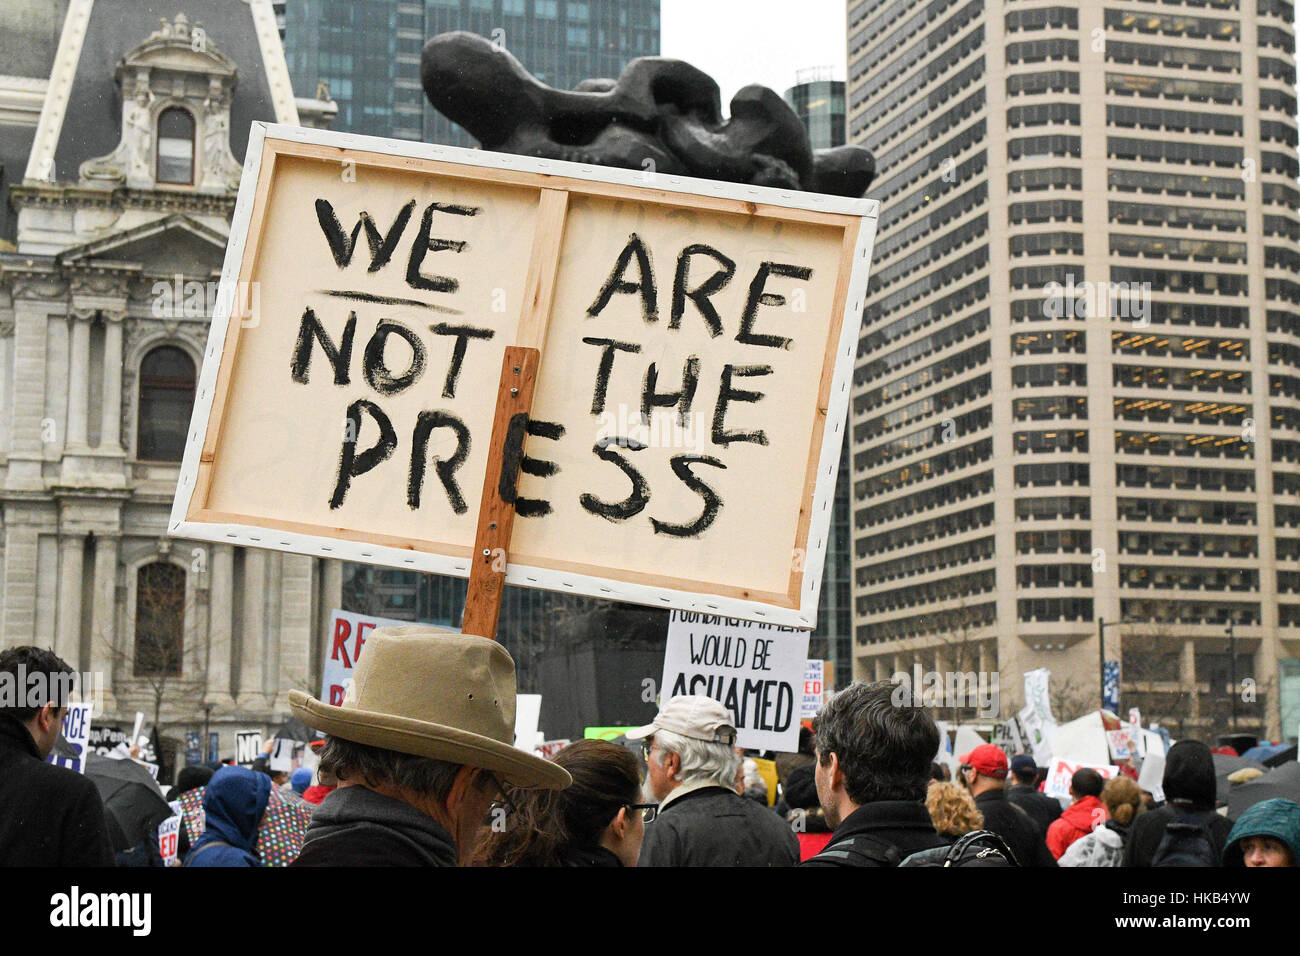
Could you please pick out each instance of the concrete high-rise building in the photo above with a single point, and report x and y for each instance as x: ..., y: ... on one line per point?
x: 368, y: 51
x: 1077, y: 394
x: 818, y: 101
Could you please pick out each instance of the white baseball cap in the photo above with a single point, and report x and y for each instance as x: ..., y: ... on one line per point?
x: 694, y: 716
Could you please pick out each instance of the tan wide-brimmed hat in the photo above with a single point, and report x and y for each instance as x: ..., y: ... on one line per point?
x: 434, y: 693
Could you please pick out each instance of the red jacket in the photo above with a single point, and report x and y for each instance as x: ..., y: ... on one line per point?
x: 1078, y: 820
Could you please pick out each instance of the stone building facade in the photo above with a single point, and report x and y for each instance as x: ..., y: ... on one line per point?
x: 116, y: 233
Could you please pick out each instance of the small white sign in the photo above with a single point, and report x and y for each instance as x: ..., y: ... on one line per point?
x: 169, y: 833
x: 248, y: 747
x: 76, y: 731
x: 1120, y: 743
x: 528, y: 713
x: 813, y: 687
x: 1064, y: 768
x: 282, y: 757
x: 756, y: 671
x: 549, y: 748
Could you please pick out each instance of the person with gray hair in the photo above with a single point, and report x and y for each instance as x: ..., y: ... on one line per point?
x: 692, y: 766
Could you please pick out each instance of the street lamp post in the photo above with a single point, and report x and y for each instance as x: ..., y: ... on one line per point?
x: 1232, y: 654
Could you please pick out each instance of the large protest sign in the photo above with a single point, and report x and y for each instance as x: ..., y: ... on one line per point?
x: 755, y: 670
x: 685, y: 429
x: 347, y: 637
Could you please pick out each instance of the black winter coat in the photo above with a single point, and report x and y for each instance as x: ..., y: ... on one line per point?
x: 355, y: 826
x: 1016, y: 827
x: 49, y: 816
x: 1042, y: 809
x: 897, y: 823
x: 714, y: 826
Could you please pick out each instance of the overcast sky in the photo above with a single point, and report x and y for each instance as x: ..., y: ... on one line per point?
x: 739, y: 42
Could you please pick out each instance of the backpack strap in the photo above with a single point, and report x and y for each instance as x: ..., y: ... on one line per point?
x: 211, y: 843
x: 860, y: 850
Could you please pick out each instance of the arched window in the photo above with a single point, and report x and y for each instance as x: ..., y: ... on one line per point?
x: 166, y: 401
x: 159, y: 620
x: 175, y: 146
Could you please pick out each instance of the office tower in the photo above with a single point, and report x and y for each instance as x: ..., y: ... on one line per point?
x: 1076, y: 392
x: 818, y: 101
x: 368, y: 51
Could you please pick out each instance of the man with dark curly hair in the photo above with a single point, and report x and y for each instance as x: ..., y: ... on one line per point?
x: 874, y: 751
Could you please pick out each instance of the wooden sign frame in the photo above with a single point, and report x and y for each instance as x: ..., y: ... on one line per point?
x: 555, y: 181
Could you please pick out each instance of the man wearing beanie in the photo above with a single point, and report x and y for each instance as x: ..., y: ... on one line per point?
x: 984, y: 772
x: 1190, y: 790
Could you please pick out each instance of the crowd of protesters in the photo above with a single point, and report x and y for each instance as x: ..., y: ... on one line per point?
x: 417, y: 767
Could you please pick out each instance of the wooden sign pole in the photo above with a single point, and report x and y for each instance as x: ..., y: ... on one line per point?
x: 487, y: 574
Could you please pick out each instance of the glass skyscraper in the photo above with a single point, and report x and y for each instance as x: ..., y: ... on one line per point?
x: 368, y: 51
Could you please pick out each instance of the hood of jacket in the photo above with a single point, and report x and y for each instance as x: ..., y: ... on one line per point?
x: 1189, y: 774
x: 1082, y: 815
x: 356, y: 807
x: 234, y: 802
x: 1278, y: 818
x: 1109, y: 838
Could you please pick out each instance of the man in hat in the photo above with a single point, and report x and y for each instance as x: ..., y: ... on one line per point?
x: 422, y: 745
x: 692, y: 764
x: 984, y: 772
x: 1024, y: 793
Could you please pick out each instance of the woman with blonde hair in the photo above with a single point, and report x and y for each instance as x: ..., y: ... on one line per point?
x: 1104, y: 846
x: 952, y: 810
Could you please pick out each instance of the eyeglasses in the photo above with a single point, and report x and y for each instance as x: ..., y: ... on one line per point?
x: 648, y: 810
x: 502, y: 805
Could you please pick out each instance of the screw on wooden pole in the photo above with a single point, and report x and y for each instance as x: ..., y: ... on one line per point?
x: 496, y: 516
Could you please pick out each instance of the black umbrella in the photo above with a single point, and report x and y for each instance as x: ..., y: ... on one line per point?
x: 1224, y: 766
x: 136, y: 805
x: 1283, y: 781
x: 128, y: 771
x: 1281, y: 757
x: 295, y: 729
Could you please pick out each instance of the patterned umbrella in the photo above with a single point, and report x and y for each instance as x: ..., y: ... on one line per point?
x: 279, y: 835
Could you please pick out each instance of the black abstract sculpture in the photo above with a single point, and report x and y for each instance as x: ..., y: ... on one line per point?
x: 660, y: 114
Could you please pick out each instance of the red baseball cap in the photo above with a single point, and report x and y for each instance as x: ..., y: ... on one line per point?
x: 988, y: 761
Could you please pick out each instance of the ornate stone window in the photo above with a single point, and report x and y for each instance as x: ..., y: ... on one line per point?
x: 159, y: 620
x: 175, y: 159
x: 166, y: 400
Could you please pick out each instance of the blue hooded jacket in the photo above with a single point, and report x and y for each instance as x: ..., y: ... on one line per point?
x: 234, y: 802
